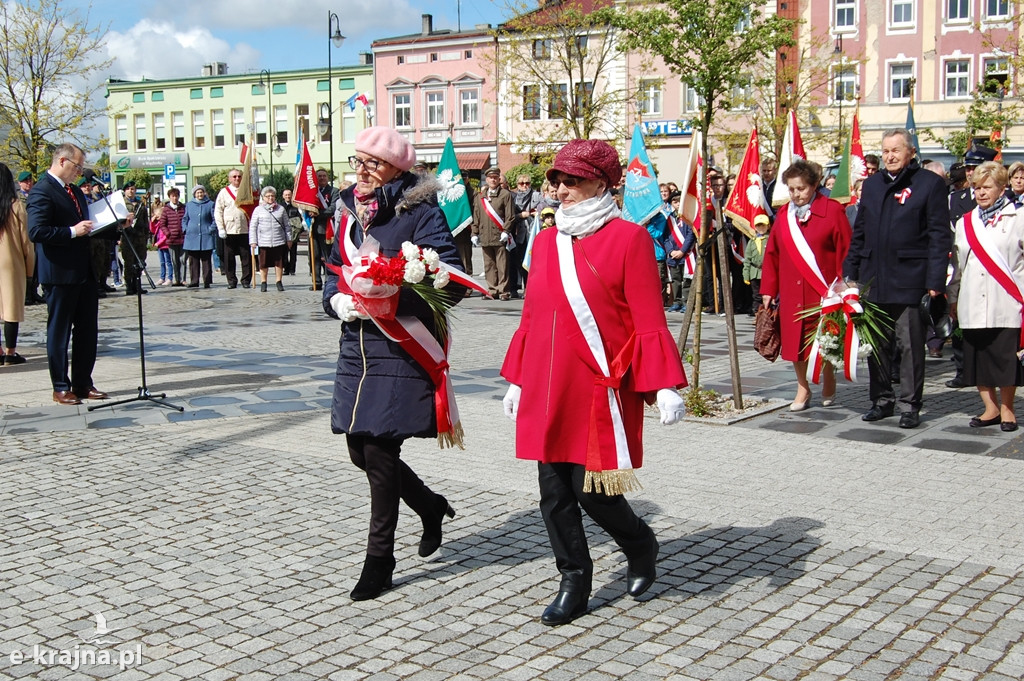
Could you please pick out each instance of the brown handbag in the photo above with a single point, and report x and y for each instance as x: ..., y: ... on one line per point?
x: 767, y: 337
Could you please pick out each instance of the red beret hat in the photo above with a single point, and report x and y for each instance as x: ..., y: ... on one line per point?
x: 589, y: 159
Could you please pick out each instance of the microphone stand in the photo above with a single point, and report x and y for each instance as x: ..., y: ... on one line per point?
x: 139, y: 268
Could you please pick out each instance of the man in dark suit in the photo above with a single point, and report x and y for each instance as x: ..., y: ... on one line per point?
x: 329, y: 196
x: 59, y: 225
x: 899, y: 252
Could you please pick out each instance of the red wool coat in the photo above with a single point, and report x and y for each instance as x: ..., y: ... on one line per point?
x: 828, y: 234
x: 549, y: 358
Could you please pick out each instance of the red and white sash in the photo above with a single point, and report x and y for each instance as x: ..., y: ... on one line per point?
x: 734, y: 249
x: 690, y: 262
x: 612, y: 473
x: 993, y: 261
x: 492, y: 214
x: 833, y: 297
x: 231, y: 192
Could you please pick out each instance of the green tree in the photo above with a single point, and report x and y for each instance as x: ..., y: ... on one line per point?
x: 712, y: 45
x: 280, y: 179
x: 214, y: 182
x: 141, y: 178
x: 48, y: 55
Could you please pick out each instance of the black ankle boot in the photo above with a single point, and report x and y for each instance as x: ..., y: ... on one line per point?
x: 375, y: 578
x: 640, y: 570
x: 263, y: 287
x: 431, y: 539
x: 567, y: 606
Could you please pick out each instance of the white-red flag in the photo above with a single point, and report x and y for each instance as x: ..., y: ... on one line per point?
x: 746, y: 201
x: 689, y: 206
x: 792, y: 148
x: 304, y: 191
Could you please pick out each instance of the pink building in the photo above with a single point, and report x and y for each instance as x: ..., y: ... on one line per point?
x: 438, y: 84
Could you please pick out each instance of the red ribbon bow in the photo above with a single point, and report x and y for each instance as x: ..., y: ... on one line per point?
x: 903, y: 195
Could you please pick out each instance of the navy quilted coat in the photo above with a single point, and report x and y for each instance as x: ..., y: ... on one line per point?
x: 379, y: 389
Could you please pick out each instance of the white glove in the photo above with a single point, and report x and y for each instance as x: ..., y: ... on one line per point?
x: 511, y: 401
x: 504, y: 237
x: 222, y: 234
x: 345, y: 307
x: 671, y: 406
x: 475, y: 240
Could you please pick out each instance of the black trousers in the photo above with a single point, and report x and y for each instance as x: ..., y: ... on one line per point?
x: 561, y: 498
x: 907, y: 338
x: 390, y: 480
x: 200, y: 261
x: 73, y: 320
x: 321, y: 250
x: 237, y: 244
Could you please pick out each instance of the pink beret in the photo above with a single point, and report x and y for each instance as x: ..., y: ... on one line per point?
x: 589, y: 159
x: 387, y: 145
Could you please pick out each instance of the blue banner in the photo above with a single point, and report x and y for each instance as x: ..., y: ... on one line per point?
x: 641, y: 197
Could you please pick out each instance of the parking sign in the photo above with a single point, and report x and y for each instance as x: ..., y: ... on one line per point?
x: 169, y: 172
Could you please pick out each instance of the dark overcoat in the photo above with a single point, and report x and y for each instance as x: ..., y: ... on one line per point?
x: 379, y: 389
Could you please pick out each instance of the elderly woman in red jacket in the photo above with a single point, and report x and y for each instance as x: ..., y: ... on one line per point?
x: 811, y: 231
x: 593, y: 318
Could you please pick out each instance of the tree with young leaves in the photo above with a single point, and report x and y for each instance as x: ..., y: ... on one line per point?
x: 990, y: 111
x: 48, y: 64
x: 555, y: 62
x: 712, y: 46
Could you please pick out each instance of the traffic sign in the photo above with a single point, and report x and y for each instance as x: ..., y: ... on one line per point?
x: 169, y: 171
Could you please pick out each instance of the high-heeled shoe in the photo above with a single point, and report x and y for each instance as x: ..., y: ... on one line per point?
x: 374, y: 579
x: 828, y: 400
x: 800, y: 406
x: 431, y: 539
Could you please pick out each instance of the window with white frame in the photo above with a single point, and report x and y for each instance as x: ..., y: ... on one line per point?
x: 238, y: 126
x: 542, y: 48
x: 531, y: 102
x: 140, y: 132
x: 742, y: 95
x: 899, y: 81
x: 650, y: 97
x: 901, y: 14
x: 958, y: 10
x: 402, y: 106
x: 558, y: 100
x: 198, y: 130
x: 178, y: 129
x: 997, y: 9
x: 217, y: 123
x: 845, y: 15
x: 302, y: 118
x: 259, y: 120
x: 159, y: 132
x: 957, y: 82
x: 348, y: 125
x: 280, y: 125
x: 691, y: 101
x: 469, y: 106
x: 995, y: 76
x: 121, y: 132
x: 435, y: 108
x: 745, y: 21
x: 844, y: 83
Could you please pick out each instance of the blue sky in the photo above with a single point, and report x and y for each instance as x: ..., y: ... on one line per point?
x: 159, y: 40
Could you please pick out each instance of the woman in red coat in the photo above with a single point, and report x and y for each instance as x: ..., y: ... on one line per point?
x: 811, y: 231
x: 592, y: 347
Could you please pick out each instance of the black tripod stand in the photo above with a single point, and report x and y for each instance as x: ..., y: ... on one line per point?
x: 138, y: 269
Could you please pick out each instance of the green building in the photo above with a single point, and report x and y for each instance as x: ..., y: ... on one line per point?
x: 184, y: 128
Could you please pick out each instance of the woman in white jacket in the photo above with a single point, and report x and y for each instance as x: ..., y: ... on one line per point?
x: 270, y: 236
x: 986, y: 295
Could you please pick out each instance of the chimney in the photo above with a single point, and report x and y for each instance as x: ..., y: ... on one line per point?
x: 366, y: 58
x: 428, y: 24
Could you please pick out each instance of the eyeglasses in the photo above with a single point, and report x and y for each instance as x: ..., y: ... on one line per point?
x: 80, y: 167
x: 523, y: 184
x: 370, y: 164
x: 567, y: 180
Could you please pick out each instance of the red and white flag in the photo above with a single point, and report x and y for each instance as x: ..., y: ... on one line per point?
x: 689, y: 208
x: 792, y: 148
x: 746, y: 201
x: 304, y: 191
x: 244, y: 153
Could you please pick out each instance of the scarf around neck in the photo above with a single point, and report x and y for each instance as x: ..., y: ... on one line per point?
x: 987, y: 214
x: 801, y: 213
x: 586, y: 217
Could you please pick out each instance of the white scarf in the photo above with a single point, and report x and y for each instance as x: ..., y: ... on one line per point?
x: 802, y: 213
x: 586, y: 217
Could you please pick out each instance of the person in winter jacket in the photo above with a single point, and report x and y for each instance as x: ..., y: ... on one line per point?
x: 200, y: 231
x: 754, y: 257
x: 270, y: 236
x: 174, y: 240
x: 382, y: 394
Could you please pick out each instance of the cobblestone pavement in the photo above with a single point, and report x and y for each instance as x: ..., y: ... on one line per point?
x: 222, y: 542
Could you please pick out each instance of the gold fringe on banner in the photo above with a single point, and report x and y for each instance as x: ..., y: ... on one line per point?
x: 611, y: 483
x: 453, y: 438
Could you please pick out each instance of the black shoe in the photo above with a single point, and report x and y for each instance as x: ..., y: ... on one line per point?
x: 263, y: 287
x: 1005, y: 426
x: 193, y: 286
x: 109, y: 289
x: 206, y: 286
x: 375, y: 578
x: 280, y: 286
x: 640, y: 571
x: 431, y: 539
x: 232, y: 285
x: 318, y: 287
x: 978, y: 422
x: 567, y: 606
x: 955, y: 382
x: 11, y: 360
x: 910, y: 419
x: 877, y: 413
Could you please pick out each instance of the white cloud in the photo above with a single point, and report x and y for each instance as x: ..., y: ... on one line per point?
x: 156, y: 49
x: 356, y: 16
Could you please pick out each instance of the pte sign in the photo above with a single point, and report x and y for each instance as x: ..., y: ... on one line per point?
x: 169, y: 172
x: 674, y: 128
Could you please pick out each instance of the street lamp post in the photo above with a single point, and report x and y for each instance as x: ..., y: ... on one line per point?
x: 334, y: 37
x: 270, y: 125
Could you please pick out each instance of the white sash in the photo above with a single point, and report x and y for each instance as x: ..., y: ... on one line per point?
x: 588, y: 325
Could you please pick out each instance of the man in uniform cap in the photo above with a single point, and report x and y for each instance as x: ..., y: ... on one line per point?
x: 493, y: 211
x: 25, y: 182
